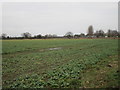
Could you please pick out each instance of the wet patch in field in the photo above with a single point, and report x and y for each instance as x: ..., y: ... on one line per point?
x: 57, y: 48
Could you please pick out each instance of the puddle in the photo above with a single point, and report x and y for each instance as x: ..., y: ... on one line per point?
x: 55, y: 48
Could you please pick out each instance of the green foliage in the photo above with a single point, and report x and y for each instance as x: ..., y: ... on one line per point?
x: 39, y: 67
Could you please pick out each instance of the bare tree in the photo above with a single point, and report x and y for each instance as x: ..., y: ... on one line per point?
x: 3, y: 35
x: 100, y: 33
x: 90, y: 31
x: 82, y: 35
x: 39, y: 36
x: 76, y: 36
x: 96, y: 34
x: 69, y: 35
x: 112, y: 33
x: 109, y: 33
x: 48, y: 35
x: 26, y: 35
x: 54, y: 35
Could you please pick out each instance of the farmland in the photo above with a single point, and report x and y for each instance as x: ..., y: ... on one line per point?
x: 56, y: 63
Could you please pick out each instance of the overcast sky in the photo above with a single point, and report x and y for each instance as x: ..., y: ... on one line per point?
x: 57, y: 17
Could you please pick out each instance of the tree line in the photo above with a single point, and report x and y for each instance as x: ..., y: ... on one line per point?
x: 90, y: 34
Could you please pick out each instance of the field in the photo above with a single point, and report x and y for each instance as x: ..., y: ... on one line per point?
x: 56, y: 63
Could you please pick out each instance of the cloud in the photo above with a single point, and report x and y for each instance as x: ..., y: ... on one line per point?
x: 58, y: 17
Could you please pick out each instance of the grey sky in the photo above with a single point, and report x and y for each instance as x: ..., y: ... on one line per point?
x: 58, y: 17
